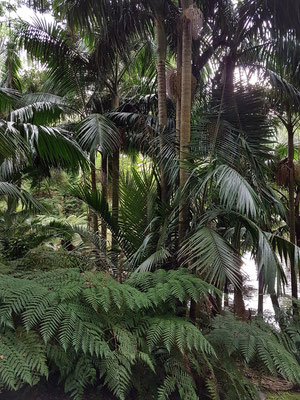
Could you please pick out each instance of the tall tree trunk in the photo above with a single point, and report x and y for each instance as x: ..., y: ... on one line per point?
x: 185, y: 128
x: 292, y: 224
x: 297, y: 217
x: 115, y: 187
x: 162, y: 94
x: 115, y: 181
x: 94, y: 189
x: 178, y: 82
x: 104, y: 171
x: 178, y: 104
x: 185, y: 123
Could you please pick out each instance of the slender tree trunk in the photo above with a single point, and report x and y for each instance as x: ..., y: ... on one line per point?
x: 297, y: 218
x: 94, y: 189
x: 226, y: 294
x: 115, y: 181
x: 115, y: 188
x: 178, y: 105
x: 162, y: 94
x: 260, y: 306
x: 178, y: 83
x: 239, y: 305
x: 292, y: 204
x: 185, y: 128
x: 185, y: 123
x: 104, y: 171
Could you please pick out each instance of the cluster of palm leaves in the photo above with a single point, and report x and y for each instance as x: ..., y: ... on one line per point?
x: 199, y: 193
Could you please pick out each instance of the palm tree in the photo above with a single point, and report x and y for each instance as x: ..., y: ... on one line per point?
x: 185, y: 104
x: 77, y: 81
x: 283, y: 72
x: 234, y: 27
x: 26, y: 137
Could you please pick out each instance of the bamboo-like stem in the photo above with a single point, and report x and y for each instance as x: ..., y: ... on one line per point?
x: 104, y: 172
x: 94, y: 189
x: 185, y: 122
x: 162, y: 95
x: 292, y: 223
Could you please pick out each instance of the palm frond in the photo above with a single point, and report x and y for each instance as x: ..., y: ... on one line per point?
x: 10, y: 190
x: 53, y: 145
x: 211, y: 256
x: 97, y: 132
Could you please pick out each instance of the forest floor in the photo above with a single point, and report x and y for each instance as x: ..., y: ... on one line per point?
x: 57, y: 393
x: 50, y: 391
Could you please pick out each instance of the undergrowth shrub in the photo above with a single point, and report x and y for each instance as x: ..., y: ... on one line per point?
x: 91, y: 326
x: 257, y: 345
x: 129, y: 337
x: 45, y: 258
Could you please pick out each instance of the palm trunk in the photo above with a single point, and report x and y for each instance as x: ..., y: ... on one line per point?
x: 292, y: 204
x: 185, y: 128
x: 162, y: 94
x: 260, y: 306
x: 226, y: 294
x: 94, y: 189
x: 239, y: 305
x: 178, y: 84
x: 178, y: 106
x: 104, y: 171
x: 115, y: 182
x: 185, y: 123
x: 115, y: 188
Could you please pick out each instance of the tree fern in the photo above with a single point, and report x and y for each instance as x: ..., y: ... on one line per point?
x: 175, y: 332
x: 90, y: 322
x: 254, y: 344
x: 86, y: 323
x: 22, y: 358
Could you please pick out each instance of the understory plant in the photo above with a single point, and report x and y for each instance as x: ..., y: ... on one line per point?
x: 133, y: 337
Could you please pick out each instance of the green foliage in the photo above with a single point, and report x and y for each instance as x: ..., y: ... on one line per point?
x: 91, y: 323
x: 22, y: 358
x: 86, y: 324
x: 212, y: 256
x: 44, y: 258
x: 255, y: 343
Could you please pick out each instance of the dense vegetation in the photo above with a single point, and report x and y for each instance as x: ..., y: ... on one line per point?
x: 145, y: 148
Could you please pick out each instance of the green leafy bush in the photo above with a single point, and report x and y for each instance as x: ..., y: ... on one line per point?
x: 89, y: 325
x: 240, y: 345
x: 129, y: 337
x: 45, y: 258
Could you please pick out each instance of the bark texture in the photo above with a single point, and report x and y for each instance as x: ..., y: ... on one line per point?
x: 104, y: 172
x: 185, y: 123
x: 239, y: 305
x: 260, y: 307
x: 115, y: 179
x: 292, y: 223
x: 162, y: 93
x: 94, y: 189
